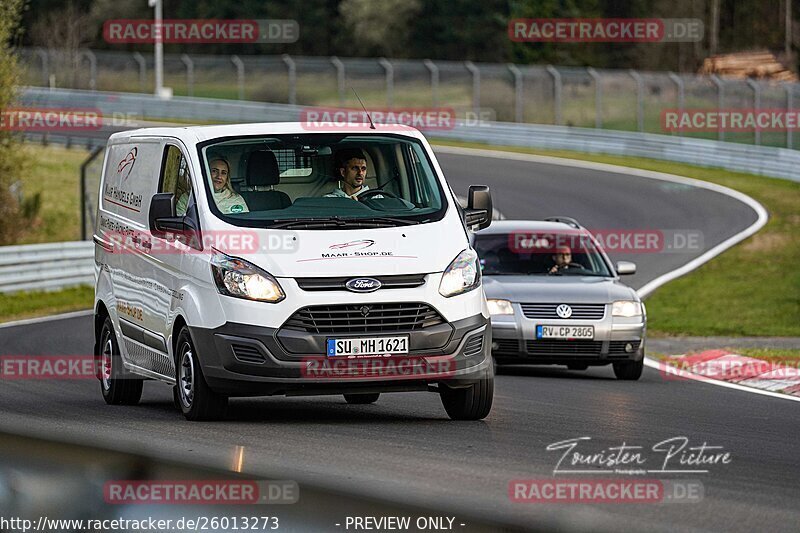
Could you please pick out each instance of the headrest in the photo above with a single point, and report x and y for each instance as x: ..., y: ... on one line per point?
x: 262, y: 169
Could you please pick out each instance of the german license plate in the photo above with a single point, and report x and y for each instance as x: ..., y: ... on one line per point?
x: 564, y: 332
x: 367, y: 346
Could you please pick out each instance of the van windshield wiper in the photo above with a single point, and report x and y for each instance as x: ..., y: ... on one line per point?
x: 336, y: 222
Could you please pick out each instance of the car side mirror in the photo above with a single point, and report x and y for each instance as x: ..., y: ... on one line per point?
x: 626, y: 268
x: 163, y: 220
x: 479, y: 207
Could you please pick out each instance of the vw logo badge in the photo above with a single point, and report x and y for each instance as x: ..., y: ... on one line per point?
x: 363, y: 284
x: 564, y: 311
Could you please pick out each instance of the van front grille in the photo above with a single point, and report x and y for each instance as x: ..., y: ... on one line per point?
x: 366, y: 318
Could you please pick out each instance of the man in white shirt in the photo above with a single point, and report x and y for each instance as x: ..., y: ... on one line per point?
x: 352, y: 169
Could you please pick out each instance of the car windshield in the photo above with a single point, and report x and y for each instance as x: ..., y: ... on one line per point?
x: 321, y: 181
x: 540, y: 254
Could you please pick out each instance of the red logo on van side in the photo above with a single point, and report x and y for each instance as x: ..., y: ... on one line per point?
x: 126, y: 165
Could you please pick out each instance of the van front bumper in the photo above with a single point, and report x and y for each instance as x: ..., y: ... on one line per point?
x: 248, y: 360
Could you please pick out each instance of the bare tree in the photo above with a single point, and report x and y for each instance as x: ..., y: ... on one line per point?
x: 63, y: 33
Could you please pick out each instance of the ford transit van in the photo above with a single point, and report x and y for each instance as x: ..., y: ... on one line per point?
x: 269, y: 259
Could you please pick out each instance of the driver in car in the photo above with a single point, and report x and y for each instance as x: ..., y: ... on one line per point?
x: 352, y: 168
x: 563, y: 260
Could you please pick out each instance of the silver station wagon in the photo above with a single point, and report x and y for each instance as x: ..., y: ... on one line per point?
x: 555, y: 298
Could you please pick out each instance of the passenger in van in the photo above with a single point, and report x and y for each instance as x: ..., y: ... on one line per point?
x: 227, y: 200
x: 352, y: 169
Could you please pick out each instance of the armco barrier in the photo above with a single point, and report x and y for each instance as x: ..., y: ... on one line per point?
x: 46, y: 266
x: 761, y: 160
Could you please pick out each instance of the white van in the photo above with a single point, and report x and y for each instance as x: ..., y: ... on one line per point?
x: 265, y: 259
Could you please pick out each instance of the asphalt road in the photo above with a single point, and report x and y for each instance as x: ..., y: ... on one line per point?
x: 405, y: 449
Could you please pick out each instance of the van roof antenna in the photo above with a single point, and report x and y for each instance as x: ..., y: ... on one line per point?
x: 371, y: 125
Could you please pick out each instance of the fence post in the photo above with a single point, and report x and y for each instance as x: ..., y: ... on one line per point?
x: 518, y: 109
x: 639, y: 99
x: 387, y: 66
x: 678, y: 81
x: 42, y: 53
x: 239, y: 74
x: 476, y: 87
x: 340, y: 78
x: 189, y: 74
x: 434, y: 70
x: 789, y: 87
x: 290, y: 64
x: 139, y: 58
x: 92, y: 67
x: 756, y: 105
x: 556, y: 93
x: 84, y: 166
x: 720, y: 98
x: 598, y: 97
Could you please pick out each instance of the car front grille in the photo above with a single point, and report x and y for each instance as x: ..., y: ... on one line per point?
x: 565, y: 347
x: 579, y: 311
x: 366, y: 318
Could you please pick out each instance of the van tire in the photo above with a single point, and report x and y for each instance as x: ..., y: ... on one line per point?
x: 629, y: 370
x: 196, y: 399
x: 362, y: 399
x: 119, y: 387
x: 470, y: 403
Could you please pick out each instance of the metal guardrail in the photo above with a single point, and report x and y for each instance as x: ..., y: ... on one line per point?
x: 46, y: 266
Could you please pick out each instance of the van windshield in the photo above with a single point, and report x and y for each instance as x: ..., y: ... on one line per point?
x: 321, y: 181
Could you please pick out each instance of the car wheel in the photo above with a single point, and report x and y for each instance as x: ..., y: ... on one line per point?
x: 577, y: 366
x: 470, y: 403
x: 629, y: 370
x: 361, y: 399
x: 119, y: 387
x: 196, y: 399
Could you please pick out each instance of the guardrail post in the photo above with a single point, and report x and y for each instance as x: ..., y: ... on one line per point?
x: 92, y: 67
x: 434, y: 70
x: 476, y: 86
x: 239, y: 64
x: 639, y: 99
x: 189, y: 74
x: 290, y: 64
x: 789, y: 88
x: 84, y: 166
x: 139, y: 58
x: 756, y: 105
x: 556, y: 93
x: 340, y: 78
x: 387, y: 66
x: 42, y: 53
x: 720, y: 99
x: 598, y: 97
x: 678, y: 81
x: 518, y: 81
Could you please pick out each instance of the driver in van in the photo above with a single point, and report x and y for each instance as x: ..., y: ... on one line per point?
x: 352, y: 169
x: 563, y: 260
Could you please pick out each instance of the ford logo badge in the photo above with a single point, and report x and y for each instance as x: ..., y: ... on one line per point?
x: 363, y: 284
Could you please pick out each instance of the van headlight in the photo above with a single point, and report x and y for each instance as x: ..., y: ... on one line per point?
x: 241, y: 279
x: 499, y: 307
x: 626, y: 308
x: 462, y: 275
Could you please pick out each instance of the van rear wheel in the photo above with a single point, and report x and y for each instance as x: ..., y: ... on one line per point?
x: 196, y: 399
x: 362, y: 399
x: 470, y: 403
x: 119, y: 387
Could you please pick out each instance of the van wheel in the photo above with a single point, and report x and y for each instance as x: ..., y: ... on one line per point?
x: 361, y: 399
x: 470, y: 403
x: 629, y: 370
x: 196, y: 399
x: 119, y: 387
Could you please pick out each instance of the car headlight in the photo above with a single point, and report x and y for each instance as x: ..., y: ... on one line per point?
x: 241, y: 279
x: 462, y: 275
x: 500, y: 307
x: 626, y: 308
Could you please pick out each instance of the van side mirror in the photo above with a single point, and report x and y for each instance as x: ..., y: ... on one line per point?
x: 626, y: 268
x: 479, y: 207
x: 162, y: 212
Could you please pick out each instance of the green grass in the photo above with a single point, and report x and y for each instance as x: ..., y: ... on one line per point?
x: 32, y: 304
x: 775, y: 355
x: 752, y: 289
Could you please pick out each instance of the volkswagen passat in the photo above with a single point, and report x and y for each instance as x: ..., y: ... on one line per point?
x: 555, y: 298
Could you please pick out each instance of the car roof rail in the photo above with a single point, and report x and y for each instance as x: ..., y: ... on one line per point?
x: 565, y: 220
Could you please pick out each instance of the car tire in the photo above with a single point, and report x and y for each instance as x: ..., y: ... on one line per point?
x: 629, y: 370
x: 119, y: 387
x: 469, y: 403
x: 577, y: 366
x: 362, y: 399
x: 196, y: 399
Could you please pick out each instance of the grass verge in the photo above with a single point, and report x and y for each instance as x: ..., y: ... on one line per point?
x: 753, y: 289
x: 32, y: 304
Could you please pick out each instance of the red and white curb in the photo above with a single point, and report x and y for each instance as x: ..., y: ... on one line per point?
x: 780, y: 379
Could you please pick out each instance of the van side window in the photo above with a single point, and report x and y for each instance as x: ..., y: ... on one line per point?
x: 176, y: 178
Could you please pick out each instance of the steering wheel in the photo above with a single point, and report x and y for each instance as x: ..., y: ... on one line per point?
x: 366, y: 195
